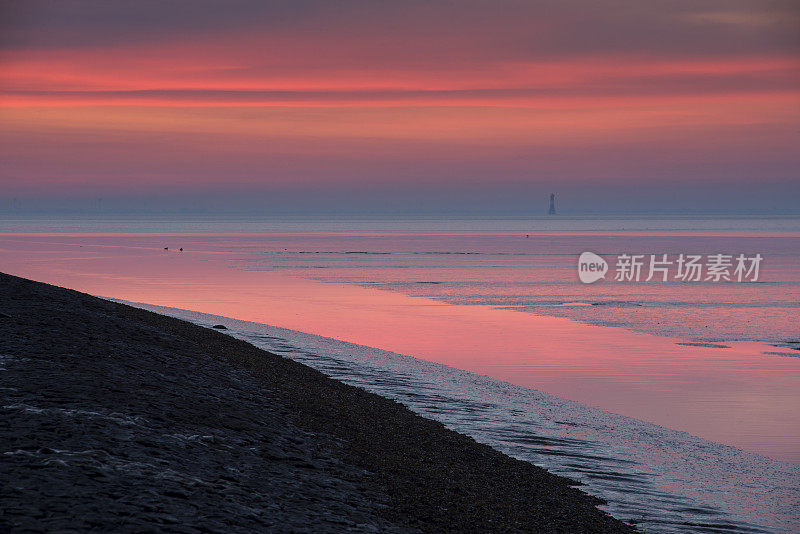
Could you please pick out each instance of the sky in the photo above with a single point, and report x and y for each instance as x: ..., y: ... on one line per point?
x: 413, y: 107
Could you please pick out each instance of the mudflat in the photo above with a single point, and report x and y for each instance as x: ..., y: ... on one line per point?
x: 116, y: 419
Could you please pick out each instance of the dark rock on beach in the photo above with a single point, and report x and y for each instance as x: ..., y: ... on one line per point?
x: 116, y: 419
x: 220, y: 327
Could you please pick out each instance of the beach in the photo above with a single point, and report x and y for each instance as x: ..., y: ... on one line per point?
x: 116, y: 418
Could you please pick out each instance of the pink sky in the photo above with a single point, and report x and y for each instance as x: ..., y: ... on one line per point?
x: 415, y: 106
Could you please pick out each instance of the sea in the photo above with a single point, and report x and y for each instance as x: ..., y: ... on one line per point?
x: 669, y: 386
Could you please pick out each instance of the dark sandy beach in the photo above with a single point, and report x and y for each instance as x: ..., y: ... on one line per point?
x: 118, y: 419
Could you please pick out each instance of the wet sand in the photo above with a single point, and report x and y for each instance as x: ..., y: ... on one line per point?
x: 119, y: 419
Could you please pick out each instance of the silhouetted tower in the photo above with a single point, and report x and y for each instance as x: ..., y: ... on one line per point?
x: 552, y: 210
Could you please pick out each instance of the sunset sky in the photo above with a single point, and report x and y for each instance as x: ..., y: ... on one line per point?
x: 371, y: 106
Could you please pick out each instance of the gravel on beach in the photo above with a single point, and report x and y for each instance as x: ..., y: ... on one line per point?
x: 116, y: 419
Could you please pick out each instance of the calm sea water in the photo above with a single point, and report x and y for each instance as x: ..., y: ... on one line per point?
x: 500, y: 299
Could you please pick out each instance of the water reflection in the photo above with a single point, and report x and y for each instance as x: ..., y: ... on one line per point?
x: 737, y: 395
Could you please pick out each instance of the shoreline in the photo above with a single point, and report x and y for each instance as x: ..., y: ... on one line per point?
x: 123, y: 382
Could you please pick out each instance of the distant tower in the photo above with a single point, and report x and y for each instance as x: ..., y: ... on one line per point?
x: 552, y: 210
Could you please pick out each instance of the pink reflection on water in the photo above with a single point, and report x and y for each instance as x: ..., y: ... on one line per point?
x: 736, y: 396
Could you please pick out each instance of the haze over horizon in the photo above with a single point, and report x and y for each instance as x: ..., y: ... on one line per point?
x: 363, y: 107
